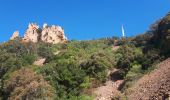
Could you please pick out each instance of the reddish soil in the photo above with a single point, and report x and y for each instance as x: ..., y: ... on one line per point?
x: 153, y: 86
x: 110, y: 89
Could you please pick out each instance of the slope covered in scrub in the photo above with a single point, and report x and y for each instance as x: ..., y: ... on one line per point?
x: 72, y: 70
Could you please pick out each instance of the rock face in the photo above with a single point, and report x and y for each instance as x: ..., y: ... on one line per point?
x: 15, y: 35
x: 48, y: 34
x: 53, y: 34
x: 32, y: 33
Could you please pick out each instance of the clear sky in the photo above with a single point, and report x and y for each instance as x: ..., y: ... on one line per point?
x: 82, y: 19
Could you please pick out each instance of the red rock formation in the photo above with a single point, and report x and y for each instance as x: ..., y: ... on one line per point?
x: 15, y: 35
x: 53, y: 34
x: 48, y: 34
x: 31, y: 34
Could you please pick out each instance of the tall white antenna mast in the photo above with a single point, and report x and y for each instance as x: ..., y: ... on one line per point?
x: 123, y: 31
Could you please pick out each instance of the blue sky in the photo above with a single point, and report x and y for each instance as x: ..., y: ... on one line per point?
x: 82, y: 19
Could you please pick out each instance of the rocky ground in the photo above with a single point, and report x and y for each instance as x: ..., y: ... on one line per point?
x: 40, y: 61
x: 109, y: 89
x: 154, y: 86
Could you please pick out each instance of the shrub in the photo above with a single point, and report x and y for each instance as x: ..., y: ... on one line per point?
x: 97, y: 66
x: 25, y: 84
x: 67, y: 78
x: 18, y: 47
x: 28, y: 59
x: 126, y: 55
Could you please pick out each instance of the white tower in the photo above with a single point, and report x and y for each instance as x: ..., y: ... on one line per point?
x: 123, y: 31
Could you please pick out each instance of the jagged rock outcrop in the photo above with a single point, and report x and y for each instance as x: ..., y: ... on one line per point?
x: 15, y: 35
x: 53, y: 34
x: 48, y: 34
x: 32, y: 33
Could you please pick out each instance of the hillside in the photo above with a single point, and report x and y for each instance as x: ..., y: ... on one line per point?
x: 44, y: 65
x: 155, y: 85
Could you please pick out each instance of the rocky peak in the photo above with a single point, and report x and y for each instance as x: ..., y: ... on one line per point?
x: 32, y: 33
x: 48, y: 34
x: 15, y: 35
x: 53, y: 34
x: 45, y: 25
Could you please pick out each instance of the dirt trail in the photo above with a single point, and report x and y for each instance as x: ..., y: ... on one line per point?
x: 154, y: 86
x: 109, y: 89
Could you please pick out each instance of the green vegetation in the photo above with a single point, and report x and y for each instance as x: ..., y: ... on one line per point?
x: 69, y: 69
x: 25, y: 84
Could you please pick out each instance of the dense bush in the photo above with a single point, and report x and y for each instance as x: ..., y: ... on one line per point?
x: 97, y: 65
x: 126, y: 55
x: 18, y: 47
x: 25, y: 84
x: 45, y: 50
x: 8, y: 61
x: 66, y: 78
